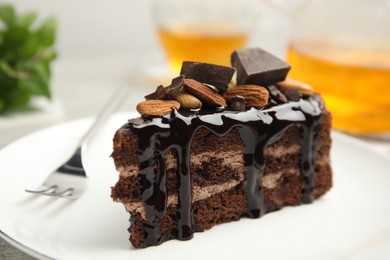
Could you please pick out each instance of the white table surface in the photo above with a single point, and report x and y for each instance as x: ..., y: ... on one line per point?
x: 103, y: 44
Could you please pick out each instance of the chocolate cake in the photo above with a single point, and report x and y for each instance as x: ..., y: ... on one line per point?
x: 207, y: 151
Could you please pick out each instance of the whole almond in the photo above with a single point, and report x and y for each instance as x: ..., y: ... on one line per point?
x: 204, y: 93
x: 290, y: 83
x: 255, y: 96
x: 188, y: 101
x: 157, y: 107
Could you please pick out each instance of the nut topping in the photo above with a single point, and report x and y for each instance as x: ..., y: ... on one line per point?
x: 157, y: 107
x: 290, y: 83
x: 204, y: 93
x: 255, y: 96
x: 202, y: 84
x: 188, y: 101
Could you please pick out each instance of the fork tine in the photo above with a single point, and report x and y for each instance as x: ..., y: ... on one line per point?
x: 70, y: 195
x: 52, y: 191
x: 46, y: 190
x: 69, y: 180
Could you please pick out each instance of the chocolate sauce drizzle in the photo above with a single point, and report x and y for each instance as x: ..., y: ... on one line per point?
x: 257, y: 128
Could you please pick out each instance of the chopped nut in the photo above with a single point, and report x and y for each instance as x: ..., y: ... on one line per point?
x: 204, y: 93
x: 255, y: 96
x: 290, y: 83
x: 157, y: 107
x: 188, y: 101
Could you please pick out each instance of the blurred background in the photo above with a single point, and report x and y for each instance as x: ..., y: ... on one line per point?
x: 98, y: 45
x: 103, y: 44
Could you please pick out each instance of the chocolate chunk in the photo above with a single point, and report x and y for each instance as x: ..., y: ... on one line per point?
x: 293, y: 94
x: 276, y: 94
x: 216, y: 75
x: 237, y: 103
x: 159, y: 93
x: 176, y: 85
x: 256, y: 66
x: 169, y: 92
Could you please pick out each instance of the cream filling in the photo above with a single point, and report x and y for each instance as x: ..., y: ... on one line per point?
x: 281, y: 151
x: 199, y: 193
x: 127, y: 171
x: 231, y: 158
x: 269, y: 181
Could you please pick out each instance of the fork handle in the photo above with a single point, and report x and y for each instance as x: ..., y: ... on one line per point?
x: 76, y: 160
x: 74, y: 165
x: 113, y: 103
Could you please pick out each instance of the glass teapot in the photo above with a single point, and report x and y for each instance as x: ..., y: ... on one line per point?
x: 342, y: 48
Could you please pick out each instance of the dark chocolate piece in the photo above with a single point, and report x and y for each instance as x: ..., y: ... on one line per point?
x: 176, y: 85
x: 256, y: 66
x: 159, y: 93
x: 237, y: 103
x: 276, y: 94
x: 216, y: 75
x: 293, y: 94
x: 169, y: 92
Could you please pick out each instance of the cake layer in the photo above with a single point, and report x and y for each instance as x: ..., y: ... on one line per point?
x: 218, y: 166
x: 269, y: 182
x: 230, y: 205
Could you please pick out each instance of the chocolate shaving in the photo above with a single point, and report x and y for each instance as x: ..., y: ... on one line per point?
x: 276, y: 94
x: 176, y: 86
x: 159, y: 93
x: 169, y: 92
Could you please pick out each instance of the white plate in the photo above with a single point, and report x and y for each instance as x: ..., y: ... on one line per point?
x: 351, y: 222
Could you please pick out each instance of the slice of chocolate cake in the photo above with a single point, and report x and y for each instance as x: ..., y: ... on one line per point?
x: 201, y: 155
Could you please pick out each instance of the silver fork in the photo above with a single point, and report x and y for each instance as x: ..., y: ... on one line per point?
x: 70, y: 179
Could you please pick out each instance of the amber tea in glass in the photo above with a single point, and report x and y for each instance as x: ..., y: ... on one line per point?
x: 198, y: 30
x: 354, y: 83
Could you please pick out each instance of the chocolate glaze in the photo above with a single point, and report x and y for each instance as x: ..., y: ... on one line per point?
x: 257, y: 127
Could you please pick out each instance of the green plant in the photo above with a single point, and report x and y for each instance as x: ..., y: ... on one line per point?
x: 26, y: 52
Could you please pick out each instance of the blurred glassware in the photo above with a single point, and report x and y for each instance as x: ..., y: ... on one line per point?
x: 201, y: 30
x: 342, y: 48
